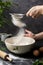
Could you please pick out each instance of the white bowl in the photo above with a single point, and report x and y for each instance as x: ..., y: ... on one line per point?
x: 25, y: 45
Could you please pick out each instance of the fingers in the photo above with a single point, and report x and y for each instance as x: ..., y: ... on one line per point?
x: 27, y: 31
x: 37, y: 15
x: 27, y: 35
x: 29, y: 12
x: 34, y: 12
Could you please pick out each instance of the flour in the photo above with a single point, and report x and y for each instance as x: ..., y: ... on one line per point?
x: 21, y: 40
x: 19, y: 36
x: 16, y: 20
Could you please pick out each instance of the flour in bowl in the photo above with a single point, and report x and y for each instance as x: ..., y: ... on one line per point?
x: 19, y: 36
x: 21, y: 40
x: 24, y: 41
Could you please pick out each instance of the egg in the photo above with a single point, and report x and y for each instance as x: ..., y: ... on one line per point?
x: 36, y: 52
x: 41, y: 49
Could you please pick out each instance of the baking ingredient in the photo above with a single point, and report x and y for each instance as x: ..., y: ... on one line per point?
x: 41, y: 49
x: 19, y: 36
x: 21, y: 40
x: 16, y: 20
x: 36, y: 53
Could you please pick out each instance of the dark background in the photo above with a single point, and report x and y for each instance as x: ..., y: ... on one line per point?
x: 34, y: 25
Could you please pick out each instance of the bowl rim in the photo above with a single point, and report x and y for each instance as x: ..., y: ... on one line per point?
x: 19, y: 45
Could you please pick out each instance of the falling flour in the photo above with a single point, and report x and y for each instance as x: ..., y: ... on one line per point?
x: 21, y: 40
x: 19, y: 36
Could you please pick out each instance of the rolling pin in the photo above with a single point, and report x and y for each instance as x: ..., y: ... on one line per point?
x: 5, y: 56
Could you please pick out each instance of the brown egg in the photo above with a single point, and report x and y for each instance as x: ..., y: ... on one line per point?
x: 36, y: 53
x: 41, y: 49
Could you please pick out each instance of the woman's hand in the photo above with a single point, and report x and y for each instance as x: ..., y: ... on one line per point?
x: 35, y: 11
x: 29, y: 34
x: 35, y: 36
